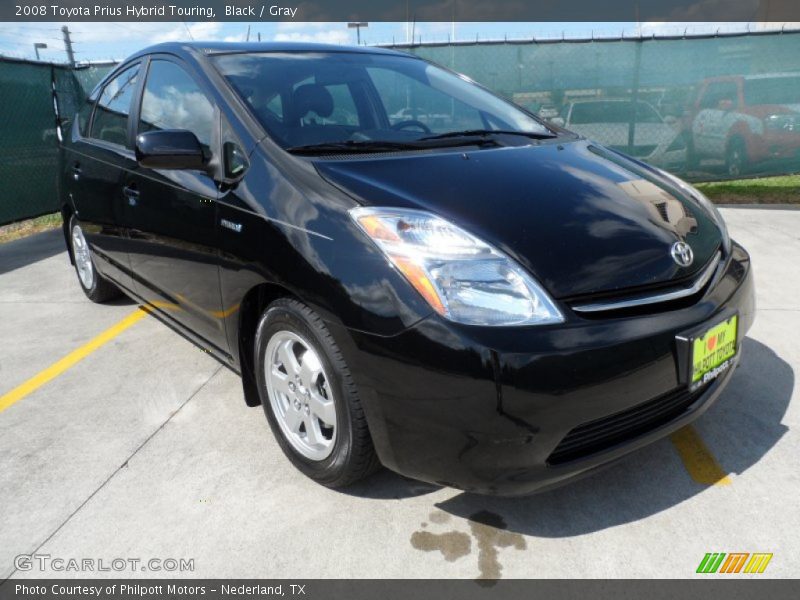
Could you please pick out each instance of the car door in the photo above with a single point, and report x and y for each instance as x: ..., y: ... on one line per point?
x: 171, y: 213
x: 99, y: 154
x: 709, y: 129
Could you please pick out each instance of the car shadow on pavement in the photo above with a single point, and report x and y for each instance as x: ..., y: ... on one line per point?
x: 387, y: 485
x: 23, y: 252
x: 741, y: 427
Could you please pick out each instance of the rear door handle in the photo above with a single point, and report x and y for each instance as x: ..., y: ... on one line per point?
x: 132, y: 194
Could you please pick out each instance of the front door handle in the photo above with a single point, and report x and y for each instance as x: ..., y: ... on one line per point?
x: 132, y: 194
x: 76, y: 171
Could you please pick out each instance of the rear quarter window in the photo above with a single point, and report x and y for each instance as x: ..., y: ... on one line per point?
x: 84, y: 114
x: 110, y: 122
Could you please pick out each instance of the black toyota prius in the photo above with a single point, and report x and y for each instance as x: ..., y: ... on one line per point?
x: 405, y: 268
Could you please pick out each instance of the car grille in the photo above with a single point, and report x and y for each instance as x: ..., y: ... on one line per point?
x: 601, y: 434
x: 662, y: 296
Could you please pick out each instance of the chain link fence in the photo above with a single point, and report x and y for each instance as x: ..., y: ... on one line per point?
x: 706, y: 108
x: 30, y: 93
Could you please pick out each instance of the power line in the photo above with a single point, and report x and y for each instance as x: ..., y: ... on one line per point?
x: 191, y: 37
x: 30, y: 37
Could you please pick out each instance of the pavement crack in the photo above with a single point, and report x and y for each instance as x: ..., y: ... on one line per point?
x: 123, y: 465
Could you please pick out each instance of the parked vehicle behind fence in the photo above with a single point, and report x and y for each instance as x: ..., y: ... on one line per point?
x: 614, y: 122
x: 742, y: 121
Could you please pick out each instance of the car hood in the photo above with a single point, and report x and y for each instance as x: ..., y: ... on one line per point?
x: 581, y: 218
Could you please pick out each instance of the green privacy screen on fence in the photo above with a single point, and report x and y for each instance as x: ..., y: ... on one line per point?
x: 704, y: 108
x: 28, y: 137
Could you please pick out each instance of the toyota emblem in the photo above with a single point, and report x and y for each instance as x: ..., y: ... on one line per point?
x: 682, y: 254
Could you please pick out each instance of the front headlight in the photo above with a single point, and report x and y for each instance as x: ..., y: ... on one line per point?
x: 463, y: 278
x: 707, y: 205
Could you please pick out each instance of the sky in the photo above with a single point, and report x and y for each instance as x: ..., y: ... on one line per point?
x: 116, y: 40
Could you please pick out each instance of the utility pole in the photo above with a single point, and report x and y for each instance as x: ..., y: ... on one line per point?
x: 68, y: 46
x: 357, y: 25
x: 637, y: 69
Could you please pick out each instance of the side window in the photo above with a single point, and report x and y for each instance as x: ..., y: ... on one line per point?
x: 110, y: 122
x: 645, y: 113
x: 719, y: 91
x: 172, y: 100
x: 406, y: 99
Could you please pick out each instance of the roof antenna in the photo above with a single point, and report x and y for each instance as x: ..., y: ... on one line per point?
x: 247, y: 39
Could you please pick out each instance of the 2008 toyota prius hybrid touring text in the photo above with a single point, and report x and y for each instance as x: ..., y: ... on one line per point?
x: 404, y: 268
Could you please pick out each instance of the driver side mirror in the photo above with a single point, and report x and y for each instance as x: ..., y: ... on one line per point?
x: 169, y: 149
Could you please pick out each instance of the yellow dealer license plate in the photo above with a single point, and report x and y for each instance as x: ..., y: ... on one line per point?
x: 713, y: 350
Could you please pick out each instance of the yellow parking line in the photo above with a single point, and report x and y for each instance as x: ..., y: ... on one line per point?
x: 54, y: 370
x: 697, y: 458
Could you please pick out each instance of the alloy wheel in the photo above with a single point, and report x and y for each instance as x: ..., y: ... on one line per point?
x: 301, y: 395
x: 83, y: 258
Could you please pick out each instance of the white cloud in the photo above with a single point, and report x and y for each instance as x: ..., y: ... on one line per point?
x: 330, y: 36
x: 305, y: 26
x: 90, y: 38
x: 203, y: 30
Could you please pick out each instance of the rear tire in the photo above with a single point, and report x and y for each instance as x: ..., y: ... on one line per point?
x: 96, y: 287
x: 309, y: 396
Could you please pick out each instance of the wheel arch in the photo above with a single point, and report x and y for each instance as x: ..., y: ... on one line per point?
x: 253, y: 305
x: 66, y: 215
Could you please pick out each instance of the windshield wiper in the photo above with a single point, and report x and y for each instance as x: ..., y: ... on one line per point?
x: 355, y: 146
x: 486, y: 132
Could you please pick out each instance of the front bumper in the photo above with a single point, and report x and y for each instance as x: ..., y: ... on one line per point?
x: 483, y: 409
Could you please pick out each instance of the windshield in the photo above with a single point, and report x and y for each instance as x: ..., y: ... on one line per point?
x: 772, y: 90
x: 306, y: 98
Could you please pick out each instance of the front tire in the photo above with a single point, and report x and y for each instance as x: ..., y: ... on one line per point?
x: 736, y: 157
x: 309, y: 396
x: 96, y: 287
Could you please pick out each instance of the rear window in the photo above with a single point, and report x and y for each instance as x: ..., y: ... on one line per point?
x: 772, y: 90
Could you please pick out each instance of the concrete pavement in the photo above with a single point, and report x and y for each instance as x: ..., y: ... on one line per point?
x: 145, y: 449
